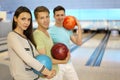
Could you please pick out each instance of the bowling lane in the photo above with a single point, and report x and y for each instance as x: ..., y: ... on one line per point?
x: 3, y: 38
x: 4, y: 58
x: 111, y: 58
x: 4, y: 67
x: 3, y: 41
x: 84, y: 35
x: 3, y: 47
x: 109, y: 68
x: 3, y: 44
x: 82, y: 54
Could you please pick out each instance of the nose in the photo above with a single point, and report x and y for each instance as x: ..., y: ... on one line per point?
x: 27, y: 22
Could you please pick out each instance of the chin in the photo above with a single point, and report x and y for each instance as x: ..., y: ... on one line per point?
x: 47, y: 28
x: 25, y: 28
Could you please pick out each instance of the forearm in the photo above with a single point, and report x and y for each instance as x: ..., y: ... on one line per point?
x: 55, y: 61
x: 79, y: 35
x: 45, y: 72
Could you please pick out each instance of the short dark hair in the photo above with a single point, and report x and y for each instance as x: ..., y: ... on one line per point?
x: 40, y: 9
x: 58, y: 8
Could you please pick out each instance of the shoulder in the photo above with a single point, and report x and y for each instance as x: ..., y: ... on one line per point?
x: 52, y: 28
x: 11, y: 34
x: 36, y: 32
x: 12, y: 37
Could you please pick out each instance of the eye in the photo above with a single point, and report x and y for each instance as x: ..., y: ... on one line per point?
x: 42, y: 18
x: 23, y: 18
x: 29, y: 19
x: 57, y: 15
x: 48, y: 17
x: 62, y: 14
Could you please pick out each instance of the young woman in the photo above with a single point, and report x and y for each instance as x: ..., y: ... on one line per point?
x: 21, y: 48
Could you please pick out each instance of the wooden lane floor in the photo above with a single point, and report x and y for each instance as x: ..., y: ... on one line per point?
x: 111, y: 57
x: 82, y: 54
x: 3, y: 44
x: 4, y: 66
x: 109, y: 68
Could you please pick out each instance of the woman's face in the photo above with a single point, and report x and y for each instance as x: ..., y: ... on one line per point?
x: 23, y: 21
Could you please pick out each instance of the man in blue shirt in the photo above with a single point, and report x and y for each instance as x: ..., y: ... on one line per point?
x: 60, y: 35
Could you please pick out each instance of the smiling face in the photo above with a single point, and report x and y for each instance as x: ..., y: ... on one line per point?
x: 59, y: 17
x: 23, y: 21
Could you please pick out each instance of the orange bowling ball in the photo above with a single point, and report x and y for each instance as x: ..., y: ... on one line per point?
x: 69, y: 22
x: 59, y: 51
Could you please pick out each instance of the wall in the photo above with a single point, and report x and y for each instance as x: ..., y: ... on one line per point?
x: 5, y: 28
x: 11, y: 5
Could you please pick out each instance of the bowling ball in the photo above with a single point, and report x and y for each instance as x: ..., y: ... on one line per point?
x: 69, y: 22
x: 59, y: 51
x: 46, y: 61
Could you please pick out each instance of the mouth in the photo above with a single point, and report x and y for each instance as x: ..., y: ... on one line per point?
x: 25, y: 27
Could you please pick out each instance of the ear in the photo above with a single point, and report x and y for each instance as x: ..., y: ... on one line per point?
x: 15, y: 18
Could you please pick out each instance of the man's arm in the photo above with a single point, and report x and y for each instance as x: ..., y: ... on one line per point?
x: 77, y: 37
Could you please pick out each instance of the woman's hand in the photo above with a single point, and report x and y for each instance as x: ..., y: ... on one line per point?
x: 49, y: 73
x: 52, y: 74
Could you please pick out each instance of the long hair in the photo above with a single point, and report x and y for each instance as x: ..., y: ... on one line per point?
x: 29, y: 31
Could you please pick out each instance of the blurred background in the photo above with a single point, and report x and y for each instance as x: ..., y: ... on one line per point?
x: 98, y: 58
x: 89, y: 12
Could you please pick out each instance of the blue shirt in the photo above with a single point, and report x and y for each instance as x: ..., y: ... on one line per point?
x: 60, y: 35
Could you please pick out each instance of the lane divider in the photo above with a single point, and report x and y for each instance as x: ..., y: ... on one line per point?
x: 83, y: 41
x: 96, y: 57
x: 3, y: 43
x: 99, y: 59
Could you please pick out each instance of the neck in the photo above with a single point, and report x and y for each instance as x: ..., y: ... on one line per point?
x: 20, y: 33
x: 58, y: 25
x: 42, y: 29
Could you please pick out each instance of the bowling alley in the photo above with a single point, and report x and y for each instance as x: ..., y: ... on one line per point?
x: 77, y: 36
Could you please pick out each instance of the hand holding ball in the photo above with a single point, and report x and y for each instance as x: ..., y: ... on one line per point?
x: 45, y: 60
